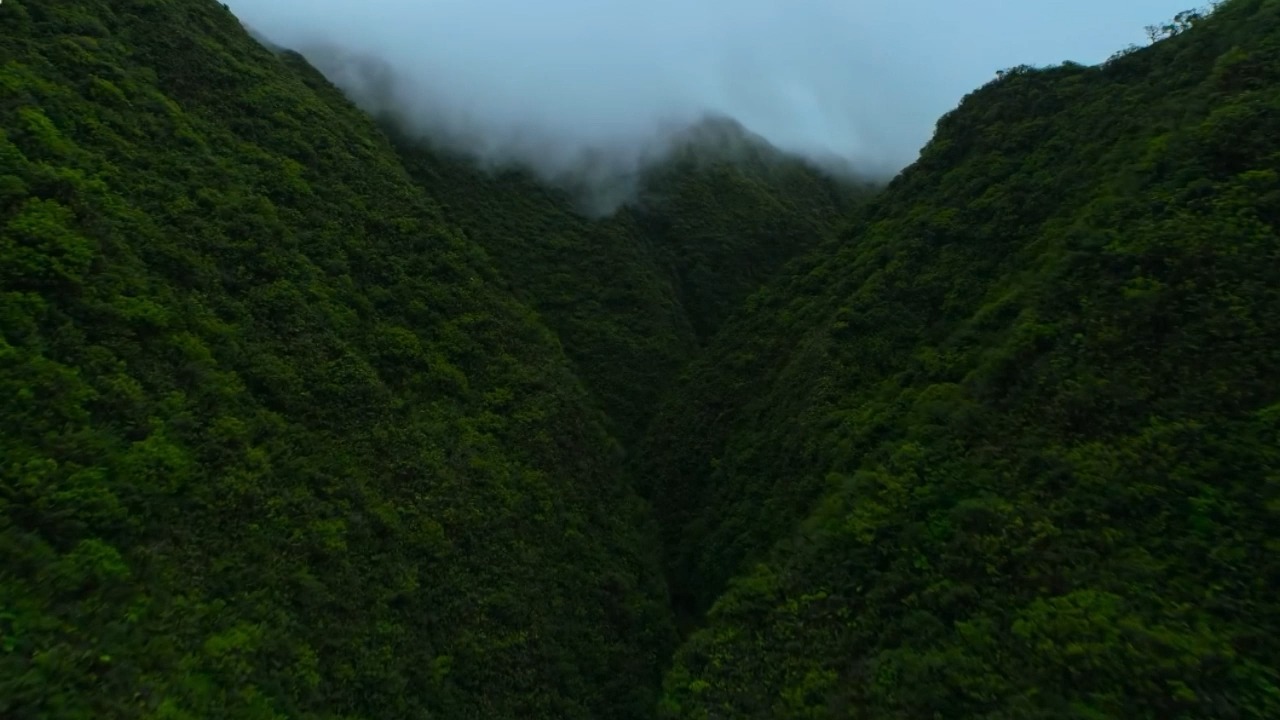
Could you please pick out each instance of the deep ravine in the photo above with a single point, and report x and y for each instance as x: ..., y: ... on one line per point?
x: 306, y: 419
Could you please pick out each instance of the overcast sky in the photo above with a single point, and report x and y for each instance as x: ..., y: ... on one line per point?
x: 865, y: 79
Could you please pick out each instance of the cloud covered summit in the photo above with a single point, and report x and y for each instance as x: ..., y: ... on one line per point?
x: 544, y: 82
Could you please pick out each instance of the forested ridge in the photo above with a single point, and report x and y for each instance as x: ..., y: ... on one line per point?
x: 305, y: 417
x: 275, y: 442
x: 1010, y: 448
x: 634, y: 294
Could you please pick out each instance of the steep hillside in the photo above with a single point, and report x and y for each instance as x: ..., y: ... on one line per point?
x: 1011, y: 447
x: 305, y: 419
x: 634, y: 294
x: 274, y: 441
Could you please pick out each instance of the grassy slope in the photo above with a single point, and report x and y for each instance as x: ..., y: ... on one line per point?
x: 274, y: 443
x: 1009, y: 449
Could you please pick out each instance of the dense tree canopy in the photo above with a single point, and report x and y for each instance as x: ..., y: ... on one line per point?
x: 1012, y: 448
x: 304, y: 417
x: 634, y: 294
x: 274, y: 441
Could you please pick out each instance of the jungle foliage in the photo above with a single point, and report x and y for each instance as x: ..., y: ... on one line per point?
x: 633, y: 294
x: 274, y: 441
x: 303, y: 417
x: 1011, y: 447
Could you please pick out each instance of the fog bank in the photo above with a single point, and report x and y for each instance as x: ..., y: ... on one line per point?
x: 547, y: 83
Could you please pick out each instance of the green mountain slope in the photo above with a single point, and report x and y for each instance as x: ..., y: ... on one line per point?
x: 304, y: 419
x: 1011, y: 448
x: 633, y: 294
x: 274, y: 441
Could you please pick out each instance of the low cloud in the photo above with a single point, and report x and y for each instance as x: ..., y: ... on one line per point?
x: 551, y: 83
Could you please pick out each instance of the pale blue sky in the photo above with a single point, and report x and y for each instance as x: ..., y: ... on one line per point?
x: 862, y: 78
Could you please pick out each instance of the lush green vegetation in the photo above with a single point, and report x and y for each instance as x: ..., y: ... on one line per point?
x: 274, y: 442
x: 305, y: 419
x: 1010, y: 449
x: 634, y: 294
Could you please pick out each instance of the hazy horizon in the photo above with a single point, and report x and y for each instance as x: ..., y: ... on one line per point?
x: 542, y: 83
